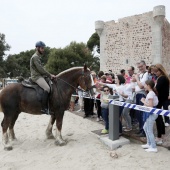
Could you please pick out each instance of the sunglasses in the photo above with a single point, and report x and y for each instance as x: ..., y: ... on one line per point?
x: 106, y: 90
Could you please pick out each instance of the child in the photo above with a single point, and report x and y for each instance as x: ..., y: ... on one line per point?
x: 150, y: 101
x: 105, y: 108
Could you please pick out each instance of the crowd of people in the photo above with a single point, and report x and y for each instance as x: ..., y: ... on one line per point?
x: 148, y: 86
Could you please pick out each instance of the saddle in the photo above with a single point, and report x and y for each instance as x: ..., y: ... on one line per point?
x: 39, y: 91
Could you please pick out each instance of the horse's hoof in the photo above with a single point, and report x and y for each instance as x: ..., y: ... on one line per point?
x: 50, y: 137
x: 60, y: 143
x: 8, y: 148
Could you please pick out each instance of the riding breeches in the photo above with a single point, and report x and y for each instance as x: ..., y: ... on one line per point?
x: 43, y: 84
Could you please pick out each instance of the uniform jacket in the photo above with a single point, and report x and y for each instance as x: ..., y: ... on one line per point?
x: 36, y: 68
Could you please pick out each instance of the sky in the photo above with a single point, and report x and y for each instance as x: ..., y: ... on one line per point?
x: 59, y: 22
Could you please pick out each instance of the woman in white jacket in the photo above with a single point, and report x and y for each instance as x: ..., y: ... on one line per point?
x: 118, y: 88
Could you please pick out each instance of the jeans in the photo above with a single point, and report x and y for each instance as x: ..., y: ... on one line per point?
x: 126, y: 116
x: 105, y: 115
x: 148, y: 128
x: 139, y: 114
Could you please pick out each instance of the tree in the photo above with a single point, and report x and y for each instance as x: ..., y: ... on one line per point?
x: 3, y: 47
x: 55, y: 60
x: 19, y: 64
x: 94, y: 41
x: 73, y: 55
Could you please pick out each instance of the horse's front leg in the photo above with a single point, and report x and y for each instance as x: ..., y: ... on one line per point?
x: 49, y: 133
x: 59, y: 120
x: 12, y: 136
x: 5, y: 139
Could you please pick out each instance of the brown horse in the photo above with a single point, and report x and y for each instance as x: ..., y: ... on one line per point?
x: 16, y: 98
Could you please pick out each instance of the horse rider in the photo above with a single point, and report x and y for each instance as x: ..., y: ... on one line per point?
x: 38, y: 73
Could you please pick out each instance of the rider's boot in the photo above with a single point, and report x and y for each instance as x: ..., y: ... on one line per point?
x: 45, y: 109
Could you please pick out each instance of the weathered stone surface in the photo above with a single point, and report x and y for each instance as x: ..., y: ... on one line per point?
x: 131, y: 39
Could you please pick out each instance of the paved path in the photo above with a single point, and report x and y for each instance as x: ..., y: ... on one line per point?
x: 131, y: 134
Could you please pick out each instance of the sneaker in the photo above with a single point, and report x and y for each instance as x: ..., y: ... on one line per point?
x: 145, y: 146
x: 151, y: 150
x: 97, y: 120
x: 104, y: 131
x: 157, y: 139
x: 159, y: 142
x: 127, y: 129
x: 80, y: 110
x: 85, y: 116
x: 100, y: 118
x: 166, y: 124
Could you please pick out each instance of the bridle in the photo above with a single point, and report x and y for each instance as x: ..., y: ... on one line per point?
x: 70, y: 84
x: 77, y: 88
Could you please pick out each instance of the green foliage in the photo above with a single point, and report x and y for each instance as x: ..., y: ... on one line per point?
x: 19, y: 64
x: 73, y: 55
x: 3, y: 47
x: 55, y: 60
x: 93, y: 41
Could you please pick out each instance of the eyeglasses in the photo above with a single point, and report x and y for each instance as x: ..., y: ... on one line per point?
x: 106, y: 90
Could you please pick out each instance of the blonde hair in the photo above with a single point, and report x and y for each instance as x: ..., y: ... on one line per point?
x: 93, y: 73
x: 162, y: 70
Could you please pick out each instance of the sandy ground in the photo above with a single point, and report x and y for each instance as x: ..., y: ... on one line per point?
x: 84, y: 151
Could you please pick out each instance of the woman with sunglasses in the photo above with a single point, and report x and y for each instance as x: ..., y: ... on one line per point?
x: 118, y: 88
x: 105, y: 108
x: 162, y: 88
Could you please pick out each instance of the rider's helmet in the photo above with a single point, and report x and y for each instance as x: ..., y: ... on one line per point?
x: 40, y: 44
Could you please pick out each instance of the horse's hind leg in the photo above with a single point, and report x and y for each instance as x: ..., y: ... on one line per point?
x: 59, y: 121
x: 5, y: 139
x: 12, y: 136
x: 49, y: 133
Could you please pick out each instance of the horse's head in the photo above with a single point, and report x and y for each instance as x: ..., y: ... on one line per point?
x: 86, y: 80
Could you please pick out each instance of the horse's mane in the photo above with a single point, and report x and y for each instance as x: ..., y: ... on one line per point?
x: 69, y: 70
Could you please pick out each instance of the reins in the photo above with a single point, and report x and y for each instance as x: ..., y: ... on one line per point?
x: 77, y: 88
x: 71, y: 85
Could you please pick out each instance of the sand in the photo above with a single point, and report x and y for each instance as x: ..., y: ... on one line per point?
x: 84, y: 151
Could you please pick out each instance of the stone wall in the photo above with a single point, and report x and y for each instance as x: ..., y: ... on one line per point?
x: 127, y: 42
x: 166, y: 45
x: 131, y: 39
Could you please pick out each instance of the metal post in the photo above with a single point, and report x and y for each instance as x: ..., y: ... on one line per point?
x: 113, y: 121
